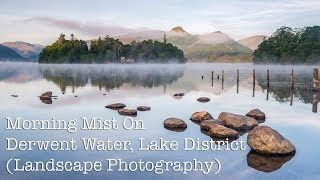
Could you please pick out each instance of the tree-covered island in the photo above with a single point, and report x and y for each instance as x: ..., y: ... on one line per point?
x: 290, y: 46
x: 110, y: 50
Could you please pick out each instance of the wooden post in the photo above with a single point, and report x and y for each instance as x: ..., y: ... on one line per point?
x: 291, y: 97
x: 292, y: 79
x: 201, y: 77
x: 315, y: 80
x: 222, y: 78
x: 212, y: 78
x: 268, y: 84
x: 237, y: 80
x: 315, y: 102
x: 253, y: 82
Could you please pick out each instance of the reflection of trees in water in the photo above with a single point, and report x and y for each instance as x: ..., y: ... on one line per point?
x: 111, y: 77
x: 280, y: 87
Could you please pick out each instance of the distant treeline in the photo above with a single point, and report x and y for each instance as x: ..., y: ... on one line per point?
x: 290, y: 46
x: 110, y: 50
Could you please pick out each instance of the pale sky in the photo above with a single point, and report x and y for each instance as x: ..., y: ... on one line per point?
x: 41, y: 21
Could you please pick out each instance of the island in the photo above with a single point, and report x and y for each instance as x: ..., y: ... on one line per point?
x: 110, y: 50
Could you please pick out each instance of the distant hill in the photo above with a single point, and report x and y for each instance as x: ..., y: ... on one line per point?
x: 253, y: 42
x: 7, y: 54
x: 26, y: 50
x: 215, y: 46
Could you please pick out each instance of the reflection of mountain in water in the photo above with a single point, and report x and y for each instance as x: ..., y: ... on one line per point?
x: 111, y: 77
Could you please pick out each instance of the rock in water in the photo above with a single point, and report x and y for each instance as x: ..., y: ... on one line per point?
x: 201, y: 116
x: 144, y: 108
x: 265, y: 140
x: 257, y: 114
x: 46, y: 95
x: 238, y: 122
x: 207, y: 124
x: 173, y: 123
x: 222, y: 132
x: 127, y: 112
x: 203, y: 99
x: 179, y: 94
x: 266, y: 163
x: 116, y: 106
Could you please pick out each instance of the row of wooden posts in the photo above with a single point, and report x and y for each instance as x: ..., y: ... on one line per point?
x: 315, y: 85
x: 315, y: 79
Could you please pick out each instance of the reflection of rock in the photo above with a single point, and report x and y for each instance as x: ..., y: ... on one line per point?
x: 176, y: 129
x: 208, y: 124
x: 238, y: 122
x: 175, y: 123
x: 127, y: 112
x: 201, y: 116
x: 116, y: 106
x: 265, y: 140
x: 257, y: 114
x: 217, y: 130
x: 46, y: 101
x: 143, y: 108
x: 223, y: 139
x: 266, y: 163
x: 46, y: 95
x: 203, y: 99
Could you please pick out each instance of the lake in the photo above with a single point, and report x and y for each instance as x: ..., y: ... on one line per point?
x: 85, y: 90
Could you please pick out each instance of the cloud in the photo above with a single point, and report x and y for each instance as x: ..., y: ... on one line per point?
x: 88, y: 28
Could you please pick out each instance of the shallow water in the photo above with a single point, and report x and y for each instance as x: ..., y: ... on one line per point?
x: 84, y: 90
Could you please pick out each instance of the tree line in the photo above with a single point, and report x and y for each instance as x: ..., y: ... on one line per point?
x: 110, y: 50
x: 290, y: 46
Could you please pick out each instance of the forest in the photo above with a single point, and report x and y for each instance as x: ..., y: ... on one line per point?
x: 290, y: 46
x: 110, y: 50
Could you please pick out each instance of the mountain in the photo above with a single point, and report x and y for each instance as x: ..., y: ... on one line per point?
x: 215, y: 46
x: 252, y: 42
x: 7, y: 54
x: 26, y: 50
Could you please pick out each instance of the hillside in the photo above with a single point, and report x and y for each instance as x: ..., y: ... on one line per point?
x: 253, y: 42
x: 7, y: 54
x: 26, y: 50
x: 211, y: 47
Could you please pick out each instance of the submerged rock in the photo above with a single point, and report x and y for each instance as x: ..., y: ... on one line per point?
x: 207, y: 124
x: 257, y: 114
x: 200, y: 116
x: 175, y: 124
x: 127, y: 112
x: 143, y: 108
x: 265, y: 140
x: 46, y: 101
x: 178, y: 94
x: 14, y: 95
x: 46, y: 95
x: 217, y: 130
x: 267, y: 163
x: 238, y: 122
x: 203, y: 99
x: 116, y: 106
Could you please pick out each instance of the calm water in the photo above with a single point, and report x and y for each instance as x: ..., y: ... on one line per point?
x: 291, y: 112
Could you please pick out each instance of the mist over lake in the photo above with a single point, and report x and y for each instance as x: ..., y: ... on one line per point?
x: 85, y: 90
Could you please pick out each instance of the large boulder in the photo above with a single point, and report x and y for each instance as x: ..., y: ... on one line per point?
x: 200, y: 116
x: 222, y: 132
x: 46, y: 95
x: 143, y: 108
x: 116, y: 106
x: 127, y: 112
x: 208, y: 124
x: 175, y: 124
x: 265, y: 140
x: 238, y: 122
x: 266, y: 163
x: 257, y: 114
x: 203, y: 99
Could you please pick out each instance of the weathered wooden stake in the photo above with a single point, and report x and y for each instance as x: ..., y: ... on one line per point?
x: 222, y: 78
x: 253, y: 82
x: 315, y: 80
x: 201, y: 77
x: 212, y: 75
x: 237, y: 80
x: 268, y: 84
x: 315, y: 102
x: 292, y: 79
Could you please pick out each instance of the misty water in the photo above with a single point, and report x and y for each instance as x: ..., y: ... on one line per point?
x: 85, y: 90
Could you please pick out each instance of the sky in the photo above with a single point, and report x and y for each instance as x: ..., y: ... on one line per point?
x: 41, y: 21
